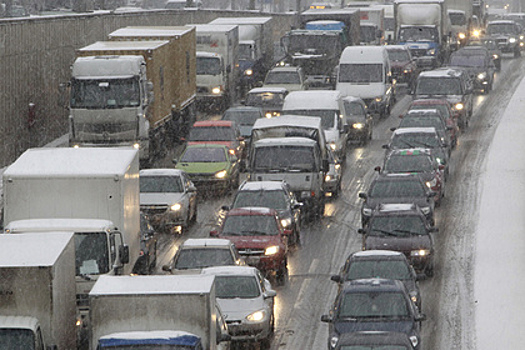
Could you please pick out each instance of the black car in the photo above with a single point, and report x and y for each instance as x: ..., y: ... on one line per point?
x: 373, y: 304
x: 360, y: 122
x: 272, y: 194
x: 397, y: 188
x: 244, y: 117
x: 478, y: 61
x: 375, y: 340
x: 402, y: 228
x: 490, y: 44
x: 147, y: 260
x: 380, y: 264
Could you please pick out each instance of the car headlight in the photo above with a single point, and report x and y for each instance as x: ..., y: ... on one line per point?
x: 459, y: 106
x: 337, y: 166
x: 414, y: 341
x: 425, y: 210
x: 476, y: 33
x: 378, y: 99
x: 328, y: 178
x: 482, y: 76
x: 413, y: 297
x: 495, y: 56
x: 136, y: 145
x: 256, y: 316
x: 420, y: 252
x: 268, y: 115
x: 440, y: 161
x: 176, y: 207
x: 216, y: 90
x: 358, y: 126
x: 431, y: 52
x: 462, y: 36
x: 522, y: 37
x: 221, y: 174
x: 286, y: 222
x: 512, y: 40
x: 274, y: 249
x: 248, y: 72
x: 333, y: 146
x: 431, y: 183
x: 333, y: 341
x: 367, y: 211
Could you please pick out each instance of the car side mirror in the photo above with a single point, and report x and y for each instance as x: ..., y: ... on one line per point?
x: 434, y: 229
x: 225, y: 207
x: 377, y: 168
x: 346, y: 129
x: 175, y: 161
x: 192, y: 188
x: 326, y: 165
x: 336, y: 278
x: 432, y: 194
x: 326, y: 318
x: 297, y: 205
x: 287, y: 232
x: 421, y: 317
x: 393, y: 128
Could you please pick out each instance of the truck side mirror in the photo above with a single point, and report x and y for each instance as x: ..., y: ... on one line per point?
x: 123, y: 252
x: 149, y: 92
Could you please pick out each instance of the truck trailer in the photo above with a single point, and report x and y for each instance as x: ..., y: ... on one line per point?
x: 37, y: 291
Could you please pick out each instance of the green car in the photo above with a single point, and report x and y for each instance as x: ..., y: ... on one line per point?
x: 210, y: 166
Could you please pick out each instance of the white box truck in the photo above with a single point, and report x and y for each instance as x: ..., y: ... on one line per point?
x: 93, y: 192
x: 217, y: 60
x: 37, y: 291
x: 129, y: 309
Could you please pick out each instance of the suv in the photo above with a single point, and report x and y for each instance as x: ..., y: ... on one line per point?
x: 258, y: 234
x: 272, y: 194
x: 380, y: 264
x: 507, y: 35
x: 478, y: 61
x: 397, y: 188
x: 402, y: 228
x: 195, y: 254
x: 360, y: 122
x: 373, y: 304
x: 454, y: 84
x: 291, y: 78
x: 403, y: 66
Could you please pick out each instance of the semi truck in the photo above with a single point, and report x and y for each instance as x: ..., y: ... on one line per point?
x: 424, y: 26
x: 93, y: 192
x: 174, y: 303
x: 255, y: 47
x: 37, y: 291
x: 217, y: 60
x: 133, y: 93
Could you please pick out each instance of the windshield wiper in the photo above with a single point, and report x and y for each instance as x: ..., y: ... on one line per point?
x: 410, y: 232
x: 254, y: 232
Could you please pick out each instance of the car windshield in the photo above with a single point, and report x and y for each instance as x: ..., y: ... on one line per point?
x: 211, y: 133
x: 398, y: 55
x: 160, y: 184
x: 277, y: 77
x: 502, y: 28
x: 467, y: 60
x: 204, y: 155
x: 388, y: 268
x: 404, y: 188
x: 284, y: 159
x: 354, y: 110
x: 91, y: 253
x: 270, y: 199
x: 361, y: 73
x: 241, y: 117
x: 425, y: 140
x: 265, y: 99
x: 328, y: 116
x: 438, y: 86
x: 105, y: 94
x: 408, y: 164
x: 197, y: 258
x: 373, y: 305
x: 250, y: 225
x: 208, y: 66
x: 233, y: 287
x: 397, y: 226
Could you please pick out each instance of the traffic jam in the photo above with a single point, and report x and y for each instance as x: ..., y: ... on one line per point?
x: 223, y: 226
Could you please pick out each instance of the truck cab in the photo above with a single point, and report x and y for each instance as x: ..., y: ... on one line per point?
x: 21, y: 332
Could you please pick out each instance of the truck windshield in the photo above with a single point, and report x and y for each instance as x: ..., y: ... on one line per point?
x: 208, y: 66
x: 246, y: 52
x: 105, y: 94
x: 91, y: 250
x: 285, y: 159
x: 15, y: 339
x: 315, y: 44
x: 368, y: 33
x: 328, y: 116
x: 417, y: 34
x: 361, y: 73
x: 160, y: 184
x: 457, y: 19
x: 438, y: 86
x: 502, y: 28
x: 231, y: 287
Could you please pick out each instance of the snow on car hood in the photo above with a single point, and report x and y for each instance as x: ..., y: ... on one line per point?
x: 237, y: 309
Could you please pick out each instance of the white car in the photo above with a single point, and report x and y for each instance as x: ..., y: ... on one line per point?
x: 246, y: 299
x: 168, y: 198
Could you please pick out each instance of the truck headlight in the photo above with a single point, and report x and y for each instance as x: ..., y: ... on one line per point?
x: 136, y: 145
x: 512, y: 40
x: 286, y: 222
x: 482, y: 76
x: 216, y: 90
x: 378, y: 99
x: 248, y: 72
x: 358, y: 126
x: 274, y: 249
x: 176, y: 207
x: 221, y: 174
x: 327, y: 178
x: 459, y: 106
x: 431, y: 52
x: 256, y: 316
x: 420, y: 252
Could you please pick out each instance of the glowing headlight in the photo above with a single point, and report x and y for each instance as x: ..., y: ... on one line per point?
x: 495, y: 56
x: 521, y: 43
x: 414, y: 341
x: 358, y: 126
x: 406, y: 71
x: 232, y: 151
x: 274, y: 249
x: 425, y: 210
x: 216, y: 90
x: 431, y: 52
x: 256, y: 316
x: 512, y: 40
x: 462, y: 36
x: 221, y: 174
x: 76, y: 146
x: 248, y: 72
x: 482, y: 76
x: 333, y: 341
x: 268, y: 115
x: 286, y: 222
x: 332, y: 146
x: 420, y: 252
x: 378, y: 99
x: 476, y: 33
x: 440, y: 161
x: 431, y: 183
x: 136, y: 145
x: 327, y: 178
x: 459, y: 106
x: 413, y: 297
x: 522, y: 37
x: 337, y: 166
x: 176, y: 207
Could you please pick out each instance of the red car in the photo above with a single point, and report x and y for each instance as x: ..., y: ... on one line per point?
x: 442, y: 105
x: 221, y: 132
x: 259, y: 237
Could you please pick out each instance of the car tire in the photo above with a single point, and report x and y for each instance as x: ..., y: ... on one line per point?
x: 429, y: 271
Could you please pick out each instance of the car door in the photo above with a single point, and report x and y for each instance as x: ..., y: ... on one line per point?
x: 190, y: 195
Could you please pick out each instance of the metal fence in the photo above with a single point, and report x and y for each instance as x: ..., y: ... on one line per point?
x: 36, y: 55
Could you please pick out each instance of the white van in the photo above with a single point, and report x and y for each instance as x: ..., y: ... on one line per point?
x: 364, y: 71
x: 327, y: 105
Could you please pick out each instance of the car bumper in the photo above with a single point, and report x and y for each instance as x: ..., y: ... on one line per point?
x: 242, y: 331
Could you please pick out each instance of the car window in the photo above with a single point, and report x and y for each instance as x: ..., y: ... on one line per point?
x: 204, y: 155
x: 232, y: 287
x: 265, y: 99
x: 382, y: 189
x: 354, y: 109
x: 415, y: 140
x: 398, y: 226
x: 358, y: 305
x: 160, y: 184
x: 422, y: 121
x: 328, y: 116
x: 283, y: 78
x: 391, y: 269
x: 250, y: 225
x: 412, y: 164
x: 212, y: 133
x: 271, y: 199
x: 199, y: 258
x: 242, y: 117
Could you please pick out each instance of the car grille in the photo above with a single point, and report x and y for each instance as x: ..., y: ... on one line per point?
x: 251, y: 252
x: 153, y: 209
x: 418, y: 52
x: 235, y: 330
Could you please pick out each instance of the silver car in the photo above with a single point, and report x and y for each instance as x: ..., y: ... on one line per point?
x: 332, y: 181
x: 168, y: 198
x: 246, y: 299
